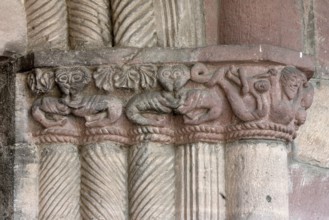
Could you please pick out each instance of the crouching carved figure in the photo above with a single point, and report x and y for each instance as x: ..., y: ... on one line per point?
x: 97, y: 110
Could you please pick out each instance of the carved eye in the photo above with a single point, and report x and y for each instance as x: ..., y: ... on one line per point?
x: 63, y: 78
x: 76, y: 77
x: 166, y: 73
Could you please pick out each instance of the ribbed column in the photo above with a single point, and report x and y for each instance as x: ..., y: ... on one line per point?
x: 89, y: 23
x: 59, y: 182
x: 104, y: 171
x: 256, y: 180
x: 46, y: 24
x: 200, y: 188
x: 152, y: 181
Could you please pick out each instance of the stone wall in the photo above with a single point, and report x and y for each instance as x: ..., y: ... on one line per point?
x: 222, y: 163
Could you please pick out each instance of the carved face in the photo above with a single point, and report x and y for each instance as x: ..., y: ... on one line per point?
x: 72, y: 81
x: 291, y: 79
x: 173, y: 78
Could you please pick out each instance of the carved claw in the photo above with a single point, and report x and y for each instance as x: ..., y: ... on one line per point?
x: 217, y: 77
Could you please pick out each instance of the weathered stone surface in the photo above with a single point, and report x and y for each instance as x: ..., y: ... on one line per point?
x: 104, y: 181
x: 257, y: 21
x: 200, y: 185
x: 152, y: 181
x: 321, y: 10
x: 13, y: 31
x: 256, y: 180
x: 309, y: 190
x: 220, y: 53
x: 312, y: 143
x: 59, y: 182
x: 46, y: 24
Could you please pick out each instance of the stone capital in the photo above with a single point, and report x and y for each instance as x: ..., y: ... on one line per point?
x: 211, y: 94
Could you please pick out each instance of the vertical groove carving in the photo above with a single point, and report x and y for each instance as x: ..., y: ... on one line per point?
x: 133, y: 23
x: 46, y: 24
x: 167, y: 22
x: 89, y: 23
x: 59, y: 182
x: 104, y: 182
x: 152, y: 182
x: 201, y: 184
x: 191, y: 24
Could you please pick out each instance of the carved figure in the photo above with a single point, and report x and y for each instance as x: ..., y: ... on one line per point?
x: 291, y: 95
x: 246, y: 95
x: 200, y: 106
x: 97, y: 110
x: 146, y: 108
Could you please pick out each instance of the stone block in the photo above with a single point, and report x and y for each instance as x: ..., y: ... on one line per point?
x: 257, y: 21
x: 309, y: 190
x: 312, y: 143
x: 321, y: 10
x: 13, y: 33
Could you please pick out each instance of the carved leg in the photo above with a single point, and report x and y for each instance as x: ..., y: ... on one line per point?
x: 59, y: 182
x: 200, y: 184
x: 152, y: 182
x: 104, y: 182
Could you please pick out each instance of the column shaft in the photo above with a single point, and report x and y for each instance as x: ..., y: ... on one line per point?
x: 200, y: 184
x: 152, y: 181
x: 104, y: 181
x: 59, y: 180
x: 257, y: 180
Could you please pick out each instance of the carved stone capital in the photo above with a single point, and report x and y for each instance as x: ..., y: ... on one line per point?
x: 201, y: 98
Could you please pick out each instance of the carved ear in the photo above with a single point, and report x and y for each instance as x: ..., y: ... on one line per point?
x: 86, y: 74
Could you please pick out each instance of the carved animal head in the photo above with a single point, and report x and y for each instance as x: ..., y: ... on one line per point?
x: 72, y: 81
x: 173, y: 78
x: 41, y: 81
x: 291, y: 79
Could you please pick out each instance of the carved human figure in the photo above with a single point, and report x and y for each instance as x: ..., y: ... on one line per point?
x: 246, y: 95
x: 149, y: 108
x: 98, y: 110
x: 291, y: 95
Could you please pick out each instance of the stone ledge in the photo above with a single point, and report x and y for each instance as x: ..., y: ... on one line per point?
x: 211, y: 54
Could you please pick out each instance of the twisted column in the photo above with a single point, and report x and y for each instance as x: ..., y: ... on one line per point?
x: 89, y: 23
x: 104, y: 181
x: 152, y: 181
x: 46, y: 24
x: 59, y: 179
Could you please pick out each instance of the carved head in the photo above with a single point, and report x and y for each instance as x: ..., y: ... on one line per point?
x: 291, y: 79
x: 173, y: 78
x: 71, y: 81
x: 41, y: 81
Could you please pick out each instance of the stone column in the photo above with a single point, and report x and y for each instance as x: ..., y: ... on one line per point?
x: 89, y: 24
x: 200, y: 188
x: 164, y: 23
x: 46, y: 24
x: 152, y: 181
x: 104, y: 172
x: 59, y: 182
x: 257, y: 180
